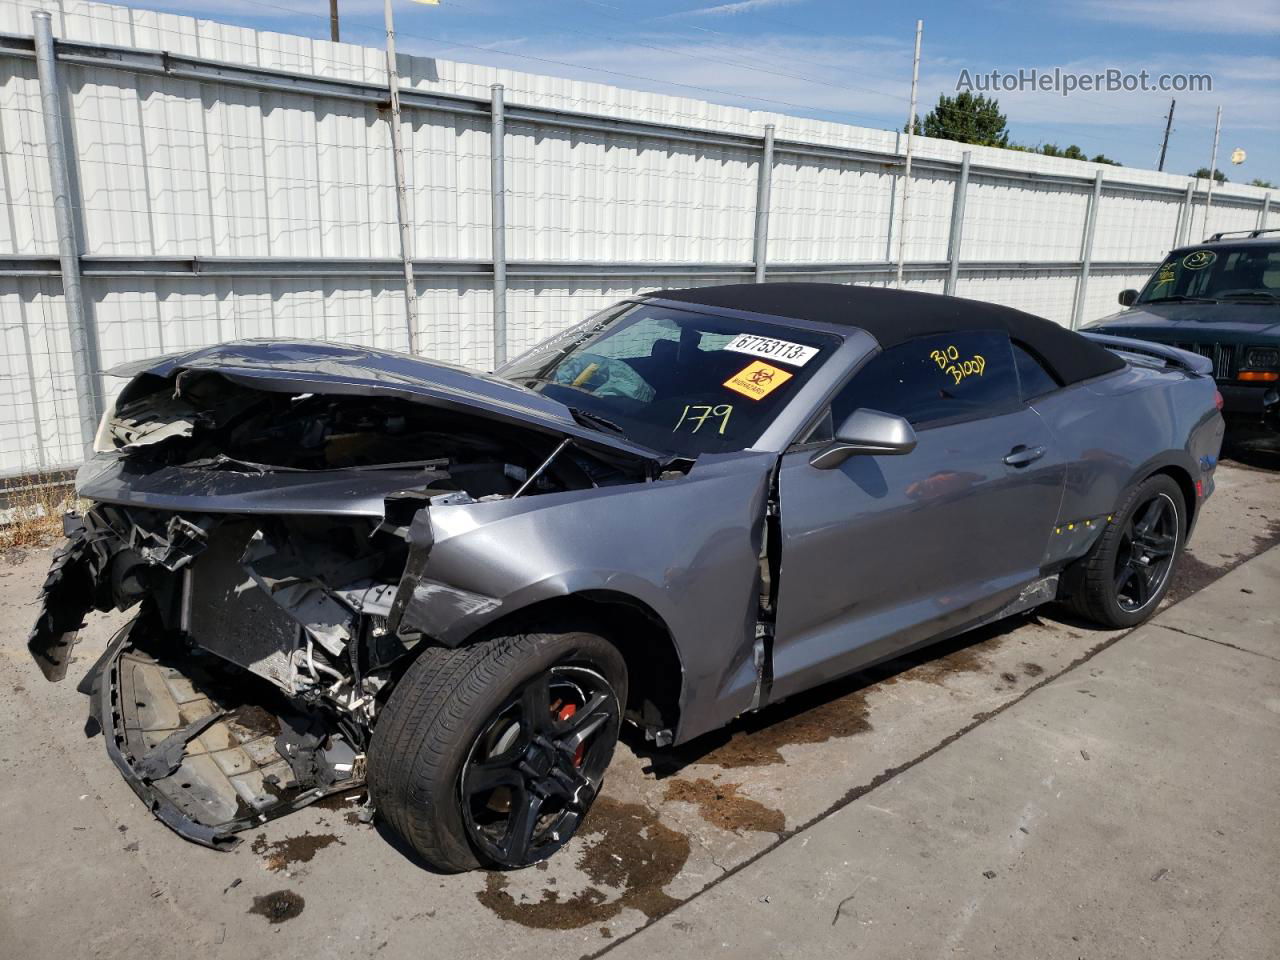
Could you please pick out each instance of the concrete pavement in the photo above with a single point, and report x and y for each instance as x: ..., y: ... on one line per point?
x: 89, y: 872
x: 1126, y: 809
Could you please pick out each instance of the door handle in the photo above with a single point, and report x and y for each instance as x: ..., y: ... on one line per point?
x: 1022, y: 455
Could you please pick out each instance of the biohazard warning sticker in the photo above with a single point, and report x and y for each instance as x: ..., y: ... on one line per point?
x: 757, y: 380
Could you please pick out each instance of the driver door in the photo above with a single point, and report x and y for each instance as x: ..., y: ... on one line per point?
x: 884, y: 552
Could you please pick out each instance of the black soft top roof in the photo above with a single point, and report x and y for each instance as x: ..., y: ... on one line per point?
x: 894, y: 316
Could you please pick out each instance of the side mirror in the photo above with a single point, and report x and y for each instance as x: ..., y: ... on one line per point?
x: 867, y: 432
x: 1127, y: 297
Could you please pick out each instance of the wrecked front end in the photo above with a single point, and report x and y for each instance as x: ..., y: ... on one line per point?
x: 262, y: 531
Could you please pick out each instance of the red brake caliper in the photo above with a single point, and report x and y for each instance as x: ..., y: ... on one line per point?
x: 567, y: 711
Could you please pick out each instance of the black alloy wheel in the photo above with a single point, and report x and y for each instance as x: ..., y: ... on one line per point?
x: 1145, y: 552
x: 536, y: 766
x: 1129, y: 569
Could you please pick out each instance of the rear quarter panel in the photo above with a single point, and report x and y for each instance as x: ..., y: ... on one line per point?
x: 1117, y: 430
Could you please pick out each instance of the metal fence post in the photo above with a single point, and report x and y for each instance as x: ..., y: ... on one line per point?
x: 1264, y: 212
x: 402, y: 193
x: 1086, y: 251
x: 498, y: 195
x: 1184, y: 215
x: 763, y: 184
x: 84, y: 363
x: 955, y: 233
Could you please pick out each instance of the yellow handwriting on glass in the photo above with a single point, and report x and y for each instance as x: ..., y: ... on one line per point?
x: 699, y: 413
x: 948, y: 361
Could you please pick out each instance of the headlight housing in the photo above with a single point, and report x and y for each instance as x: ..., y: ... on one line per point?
x: 1262, y: 358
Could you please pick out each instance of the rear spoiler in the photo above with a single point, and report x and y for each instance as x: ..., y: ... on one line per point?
x: 1172, y: 356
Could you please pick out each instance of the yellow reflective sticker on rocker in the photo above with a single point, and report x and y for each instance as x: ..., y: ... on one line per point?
x: 757, y: 380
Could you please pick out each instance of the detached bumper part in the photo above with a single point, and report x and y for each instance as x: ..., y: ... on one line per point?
x: 195, y: 740
x: 64, y: 601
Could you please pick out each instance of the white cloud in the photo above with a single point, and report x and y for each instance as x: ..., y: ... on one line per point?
x: 729, y: 9
x: 837, y: 77
x: 1192, y: 16
x: 853, y: 81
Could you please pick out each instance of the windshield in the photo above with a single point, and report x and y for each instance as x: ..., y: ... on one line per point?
x: 681, y: 382
x: 1247, y: 273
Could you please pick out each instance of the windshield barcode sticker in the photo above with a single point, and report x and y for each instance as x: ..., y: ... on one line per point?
x: 795, y: 354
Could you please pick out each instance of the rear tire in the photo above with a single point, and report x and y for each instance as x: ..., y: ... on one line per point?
x: 477, y: 758
x: 1122, y: 580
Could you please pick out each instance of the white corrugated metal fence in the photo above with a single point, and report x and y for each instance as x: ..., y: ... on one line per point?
x: 230, y: 183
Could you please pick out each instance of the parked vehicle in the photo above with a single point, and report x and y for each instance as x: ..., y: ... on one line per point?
x: 1221, y: 299
x: 356, y: 566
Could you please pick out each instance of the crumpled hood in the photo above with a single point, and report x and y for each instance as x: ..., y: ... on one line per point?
x: 307, y: 366
x: 1194, y: 322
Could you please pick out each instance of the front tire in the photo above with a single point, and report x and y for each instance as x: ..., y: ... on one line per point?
x: 491, y: 754
x: 1125, y: 576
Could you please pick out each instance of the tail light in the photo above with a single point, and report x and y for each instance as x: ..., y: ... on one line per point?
x: 1217, y: 399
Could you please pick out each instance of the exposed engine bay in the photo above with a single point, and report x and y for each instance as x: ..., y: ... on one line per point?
x: 265, y: 642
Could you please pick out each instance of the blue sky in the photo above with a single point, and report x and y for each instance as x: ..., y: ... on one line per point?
x: 851, y: 62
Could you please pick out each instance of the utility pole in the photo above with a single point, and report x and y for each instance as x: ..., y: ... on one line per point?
x: 333, y: 20
x: 911, y: 132
x: 1213, y: 169
x: 402, y: 196
x: 1168, y: 127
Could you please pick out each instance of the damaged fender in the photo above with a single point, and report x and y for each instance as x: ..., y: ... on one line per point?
x: 673, y: 545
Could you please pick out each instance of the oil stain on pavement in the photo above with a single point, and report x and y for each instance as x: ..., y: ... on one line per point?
x: 630, y: 858
x: 756, y: 739
x: 279, y: 906
x: 281, y: 854
x: 722, y: 806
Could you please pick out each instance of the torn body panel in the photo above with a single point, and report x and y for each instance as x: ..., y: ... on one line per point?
x: 687, y: 548
x: 305, y: 368
x: 262, y: 534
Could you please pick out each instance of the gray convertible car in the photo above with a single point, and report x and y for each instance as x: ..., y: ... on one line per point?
x: 357, y: 567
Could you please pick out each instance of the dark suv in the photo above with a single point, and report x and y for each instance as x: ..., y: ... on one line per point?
x: 1221, y: 299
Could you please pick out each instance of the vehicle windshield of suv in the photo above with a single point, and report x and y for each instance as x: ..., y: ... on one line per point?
x: 1249, y: 273
x: 673, y: 380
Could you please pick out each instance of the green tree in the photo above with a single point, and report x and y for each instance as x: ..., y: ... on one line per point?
x: 1070, y: 153
x: 1259, y: 182
x: 974, y: 118
x: 1203, y: 174
x: 966, y: 118
x: 1073, y: 152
